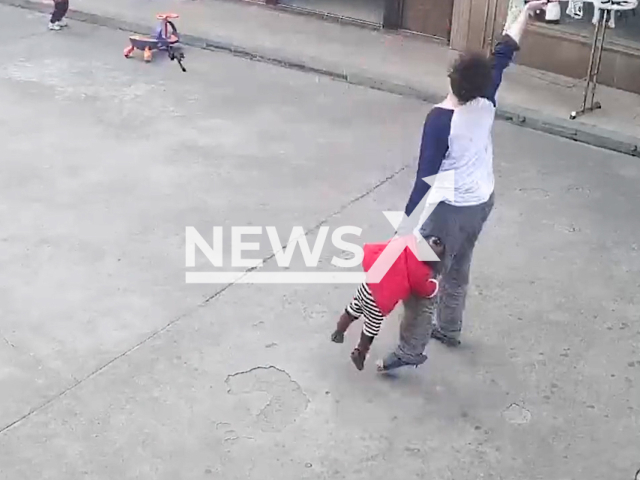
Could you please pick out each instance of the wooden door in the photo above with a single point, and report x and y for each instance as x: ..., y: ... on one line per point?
x: 477, y: 23
x: 430, y: 17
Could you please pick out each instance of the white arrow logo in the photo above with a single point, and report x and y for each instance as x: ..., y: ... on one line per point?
x: 442, y: 188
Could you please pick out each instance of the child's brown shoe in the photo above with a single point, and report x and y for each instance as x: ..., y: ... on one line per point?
x: 359, y: 354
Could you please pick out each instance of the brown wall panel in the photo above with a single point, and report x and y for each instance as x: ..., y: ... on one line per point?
x: 570, y: 57
x: 502, y: 11
x: 431, y: 17
x: 478, y: 27
x: 627, y: 72
x: 460, y: 24
x: 553, y: 54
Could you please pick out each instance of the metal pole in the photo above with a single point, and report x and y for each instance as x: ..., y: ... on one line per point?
x: 606, y: 15
x: 594, y: 66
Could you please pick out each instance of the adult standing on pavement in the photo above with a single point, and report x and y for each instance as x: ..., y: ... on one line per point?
x: 60, y: 9
x: 456, y: 138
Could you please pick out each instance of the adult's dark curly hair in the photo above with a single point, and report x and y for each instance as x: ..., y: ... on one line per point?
x: 470, y: 76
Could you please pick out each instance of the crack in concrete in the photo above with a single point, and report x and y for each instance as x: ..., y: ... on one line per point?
x: 89, y: 376
x: 517, y: 414
x: 237, y: 437
x: 260, y: 367
x: 287, y: 400
x: 7, y: 341
x: 158, y: 332
x: 315, y: 228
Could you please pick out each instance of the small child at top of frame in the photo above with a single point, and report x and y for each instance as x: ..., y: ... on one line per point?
x: 375, y: 301
x: 60, y: 9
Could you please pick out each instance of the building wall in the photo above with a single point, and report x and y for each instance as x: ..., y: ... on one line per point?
x: 430, y: 17
x: 477, y: 24
x: 560, y: 49
x: 569, y: 55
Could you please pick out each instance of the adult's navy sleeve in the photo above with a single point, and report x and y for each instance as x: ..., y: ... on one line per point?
x: 434, y: 147
x: 501, y: 58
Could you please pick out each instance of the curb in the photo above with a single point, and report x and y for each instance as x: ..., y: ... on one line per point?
x: 531, y: 119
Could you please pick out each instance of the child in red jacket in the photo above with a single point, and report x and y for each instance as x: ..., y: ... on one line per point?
x: 407, y: 276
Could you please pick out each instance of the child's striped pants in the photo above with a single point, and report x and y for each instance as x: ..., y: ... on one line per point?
x: 363, y: 304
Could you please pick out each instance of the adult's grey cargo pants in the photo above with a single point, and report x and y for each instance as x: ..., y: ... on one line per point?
x: 459, y: 229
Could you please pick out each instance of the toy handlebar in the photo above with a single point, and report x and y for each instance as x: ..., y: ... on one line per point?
x: 167, y: 16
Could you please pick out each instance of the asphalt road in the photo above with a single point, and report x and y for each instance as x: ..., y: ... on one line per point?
x: 111, y: 366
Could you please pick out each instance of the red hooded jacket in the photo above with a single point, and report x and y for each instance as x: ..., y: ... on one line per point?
x: 407, y: 275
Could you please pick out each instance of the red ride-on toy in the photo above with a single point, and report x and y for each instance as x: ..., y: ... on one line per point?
x: 166, y: 39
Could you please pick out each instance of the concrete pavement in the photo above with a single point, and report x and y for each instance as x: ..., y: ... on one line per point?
x: 399, y: 64
x: 112, y: 367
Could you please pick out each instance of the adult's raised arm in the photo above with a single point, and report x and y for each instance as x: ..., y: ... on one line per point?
x: 508, y: 45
